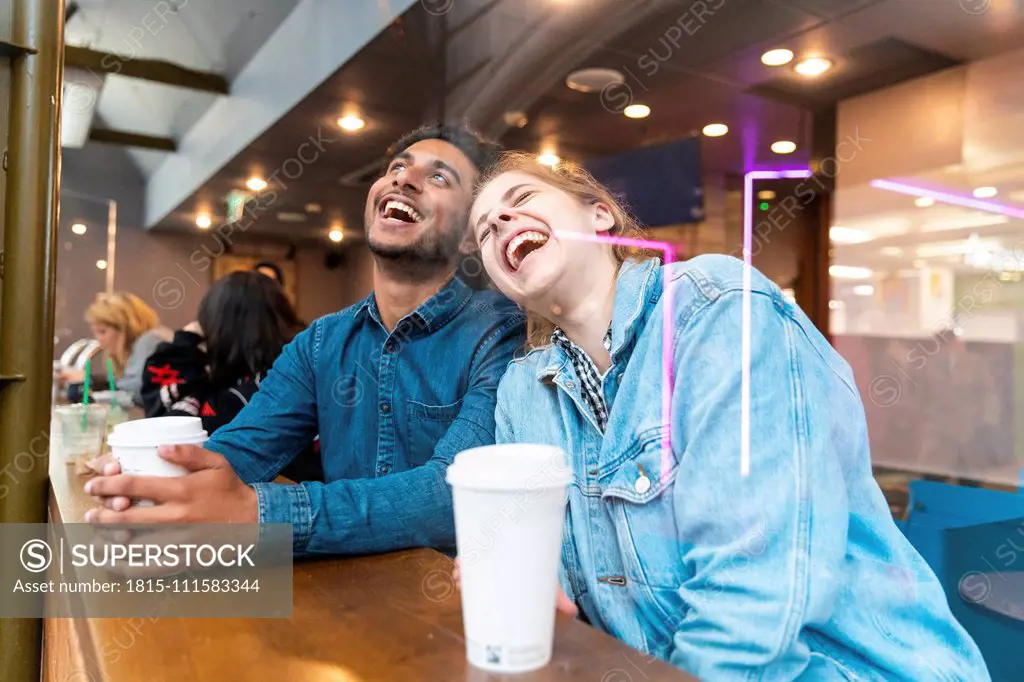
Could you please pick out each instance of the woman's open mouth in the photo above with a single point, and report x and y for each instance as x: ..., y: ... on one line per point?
x: 521, y: 246
x: 397, y: 211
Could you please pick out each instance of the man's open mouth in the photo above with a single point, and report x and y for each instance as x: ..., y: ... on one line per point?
x: 396, y: 210
x: 522, y: 245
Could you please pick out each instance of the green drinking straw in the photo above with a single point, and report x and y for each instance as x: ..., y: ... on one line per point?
x: 85, y: 395
x: 110, y: 376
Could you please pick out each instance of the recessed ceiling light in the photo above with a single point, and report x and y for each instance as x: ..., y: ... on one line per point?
x: 891, y: 251
x: 593, y: 80
x: 849, y: 235
x: 637, y: 111
x: 313, y: 208
x: 783, y: 147
x: 203, y: 221
x: 813, y: 66
x: 256, y: 184
x: 920, y: 264
x: 777, y: 57
x: 548, y: 158
x: 766, y: 195
x: 835, y: 305
x: 848, y: 272
x: 101, y: 264
x: 715, y: 129
x: 351, y: 123
x: 79, y: 228
x: 336, y: 235
x: 516, y: 119
x: 924, y: 202
x: 863, y: 290
x: 985, y: 192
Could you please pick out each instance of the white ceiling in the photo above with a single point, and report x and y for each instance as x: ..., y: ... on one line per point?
x: 218, y: 36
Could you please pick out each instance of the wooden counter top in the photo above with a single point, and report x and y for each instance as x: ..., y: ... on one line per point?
x: 387, y: 617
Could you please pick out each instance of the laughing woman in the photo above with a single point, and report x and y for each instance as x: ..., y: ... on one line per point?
x: 794, y: 571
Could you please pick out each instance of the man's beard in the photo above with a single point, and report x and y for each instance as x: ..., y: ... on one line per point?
x: 431, y: 252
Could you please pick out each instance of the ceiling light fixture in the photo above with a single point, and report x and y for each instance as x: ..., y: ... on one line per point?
x: 351, y: 123
x: 101, y: 264
x: 849, y: 235
x: 835, y: 305
x: 924, y: 202
x: 891, y: 251
x: 593, y: 80
x: 863, y: 290
x: 256, y: 184
x: 203, y: 221
x: 777, y: 57
x: 849, y: 272
x: 548, y: 158
x: 812, y: 66
x: 79, y: 228
x: 784, y: 147
x: 715, y: 129
x: 637, y: 111
x: 984, y: 192
x: 336, y: 235
x: 948, y: 198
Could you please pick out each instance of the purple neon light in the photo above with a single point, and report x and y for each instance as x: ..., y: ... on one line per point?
x: 949, y: 198
x: 667, y: 323
x: 748, y: 229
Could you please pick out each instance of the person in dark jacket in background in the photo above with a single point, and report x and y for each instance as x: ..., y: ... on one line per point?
x: 215, y: 365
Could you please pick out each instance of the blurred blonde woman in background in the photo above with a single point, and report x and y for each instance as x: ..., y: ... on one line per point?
x: 128, y: 331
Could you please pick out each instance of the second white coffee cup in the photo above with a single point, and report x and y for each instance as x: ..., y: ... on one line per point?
x: 134, y: 445
x: 509, y: 510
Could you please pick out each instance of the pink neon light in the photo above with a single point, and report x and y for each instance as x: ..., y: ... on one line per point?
x: 667, y: 324
x: 949, y: 198
x: 748, y: 229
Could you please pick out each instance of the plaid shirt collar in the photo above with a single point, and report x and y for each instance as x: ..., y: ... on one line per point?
x: 591, y: 383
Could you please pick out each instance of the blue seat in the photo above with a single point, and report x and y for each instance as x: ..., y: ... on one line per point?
x: 973, y: 539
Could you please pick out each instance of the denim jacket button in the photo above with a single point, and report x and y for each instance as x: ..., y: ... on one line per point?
x: 642, y: 485
x: 570, y: 384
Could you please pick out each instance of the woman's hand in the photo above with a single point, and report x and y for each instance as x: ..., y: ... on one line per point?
x: 562, y: 601
x: 72, y: 375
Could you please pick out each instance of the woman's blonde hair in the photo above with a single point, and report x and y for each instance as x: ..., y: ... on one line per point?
x: 127, y: 314
x: 575, y: 181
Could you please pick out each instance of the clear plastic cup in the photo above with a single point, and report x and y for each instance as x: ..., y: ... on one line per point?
x: 81, y: 429
x: 509, y: 510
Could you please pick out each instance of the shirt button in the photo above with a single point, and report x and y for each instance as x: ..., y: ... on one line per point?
x: 385, y: 469
x: 385, y: 408
x: 642, y: 485
x: 570, y: 384
x: 390, y: 347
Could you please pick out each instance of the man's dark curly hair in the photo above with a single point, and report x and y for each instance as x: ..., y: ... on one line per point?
x: 480, y: 150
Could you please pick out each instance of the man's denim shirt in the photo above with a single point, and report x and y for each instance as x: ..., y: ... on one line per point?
x: 392, y: 411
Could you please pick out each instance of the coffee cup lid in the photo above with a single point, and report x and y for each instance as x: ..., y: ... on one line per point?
x: 158, y: 431
x: 511, y: 466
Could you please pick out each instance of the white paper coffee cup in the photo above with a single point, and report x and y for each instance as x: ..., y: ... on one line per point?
x: 134, y: 445
x: 509, y: 510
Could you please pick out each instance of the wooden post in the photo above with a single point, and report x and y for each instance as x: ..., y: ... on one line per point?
x: 28, y: 271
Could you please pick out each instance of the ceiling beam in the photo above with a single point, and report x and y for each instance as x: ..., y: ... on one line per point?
x: 146, y: 69
x: 163, y: 144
